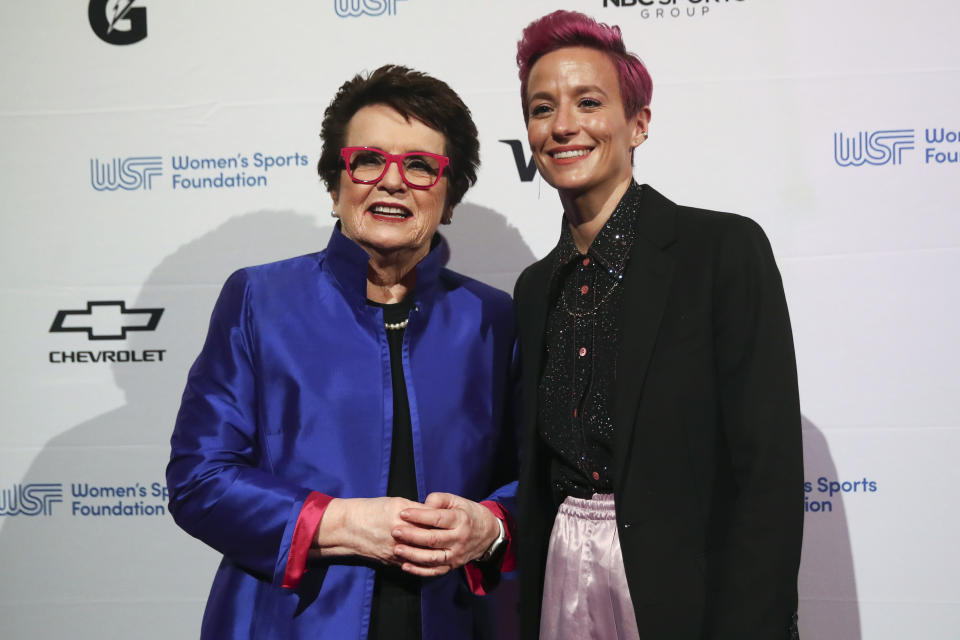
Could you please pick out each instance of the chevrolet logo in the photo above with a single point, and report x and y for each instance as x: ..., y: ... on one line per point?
x: 106, y: 320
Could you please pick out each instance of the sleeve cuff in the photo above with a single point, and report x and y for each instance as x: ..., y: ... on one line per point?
x: 311, y: 513
x: 482, y: 577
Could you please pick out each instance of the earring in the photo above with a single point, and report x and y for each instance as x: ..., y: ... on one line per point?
x: 333, y: 214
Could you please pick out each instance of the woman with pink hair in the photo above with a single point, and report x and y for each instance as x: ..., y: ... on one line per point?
x: 661, y: 485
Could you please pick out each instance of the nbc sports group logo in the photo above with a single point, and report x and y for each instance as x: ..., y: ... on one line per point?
x: 106, y: 320
x: 35, y: 499
x: 880, y: 147
x: 358, y: 8
x: 660, y: 9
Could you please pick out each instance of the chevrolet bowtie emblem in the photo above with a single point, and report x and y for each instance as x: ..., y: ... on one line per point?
x: 106, y: 320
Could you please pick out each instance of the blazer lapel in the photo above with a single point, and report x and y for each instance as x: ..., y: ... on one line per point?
x: 533, y: 299
x: 646, y: 283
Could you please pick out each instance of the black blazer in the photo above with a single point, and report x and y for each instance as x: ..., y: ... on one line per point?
x: 708, y: 466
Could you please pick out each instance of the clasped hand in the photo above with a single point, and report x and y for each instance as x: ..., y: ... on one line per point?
x: 429, y: 539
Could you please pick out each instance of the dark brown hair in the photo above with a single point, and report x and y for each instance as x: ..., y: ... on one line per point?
x: 412, y: 94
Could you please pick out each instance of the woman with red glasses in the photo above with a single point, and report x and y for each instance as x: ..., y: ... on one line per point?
x: 349, y: 407
x: 661, y: 489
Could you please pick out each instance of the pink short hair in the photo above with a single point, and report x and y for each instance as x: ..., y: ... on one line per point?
x: 573, y: 29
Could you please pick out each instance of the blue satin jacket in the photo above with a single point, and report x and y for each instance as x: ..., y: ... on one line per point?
x: 292, y: 393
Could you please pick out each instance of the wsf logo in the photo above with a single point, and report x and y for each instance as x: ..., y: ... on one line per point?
x: 357, y: 8
x: 117, y: 21
x: 106, y: 320
x: 30, y: 499
x: 129, y: 174
x: 872, y: 147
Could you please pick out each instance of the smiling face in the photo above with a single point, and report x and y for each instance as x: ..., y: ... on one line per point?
x: 390, y: 217
x: 580, y: 137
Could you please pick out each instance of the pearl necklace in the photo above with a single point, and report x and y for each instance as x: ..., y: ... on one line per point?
x: 397, y: 325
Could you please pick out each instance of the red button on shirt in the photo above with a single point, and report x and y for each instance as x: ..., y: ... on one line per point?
x: 574, y: 413
x: 596, y: 476
x: 583, y: 351
x: 584, y: 289
x: 586, y: 261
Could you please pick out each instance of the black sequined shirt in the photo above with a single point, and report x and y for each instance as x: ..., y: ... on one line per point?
x: 573, y: 401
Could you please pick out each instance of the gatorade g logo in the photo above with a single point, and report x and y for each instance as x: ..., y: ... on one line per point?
x: 118, y: 21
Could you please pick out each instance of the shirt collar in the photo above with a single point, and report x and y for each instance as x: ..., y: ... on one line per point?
x: 612, y: 245
x: 347, y: 261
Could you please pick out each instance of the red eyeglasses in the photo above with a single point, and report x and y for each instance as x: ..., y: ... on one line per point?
x: 418, y: 169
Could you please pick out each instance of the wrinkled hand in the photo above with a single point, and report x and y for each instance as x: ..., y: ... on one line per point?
x: 361, y: 527
x: 445, y: 533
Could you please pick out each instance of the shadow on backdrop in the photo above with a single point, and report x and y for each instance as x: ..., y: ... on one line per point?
x: 142, y: 574
x: 828, y: 586
x: 484, y: 246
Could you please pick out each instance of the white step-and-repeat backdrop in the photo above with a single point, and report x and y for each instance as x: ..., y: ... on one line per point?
x: 144, y: 159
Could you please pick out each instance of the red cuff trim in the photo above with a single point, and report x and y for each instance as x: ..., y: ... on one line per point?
x: 311, y: 513
x: 510, y: 528
x: 478, y: 578
x: 475, y: 579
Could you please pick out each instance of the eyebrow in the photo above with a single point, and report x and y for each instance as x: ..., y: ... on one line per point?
x: 587, y: 88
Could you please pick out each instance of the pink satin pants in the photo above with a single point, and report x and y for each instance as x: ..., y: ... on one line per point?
x: 585, y: 594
